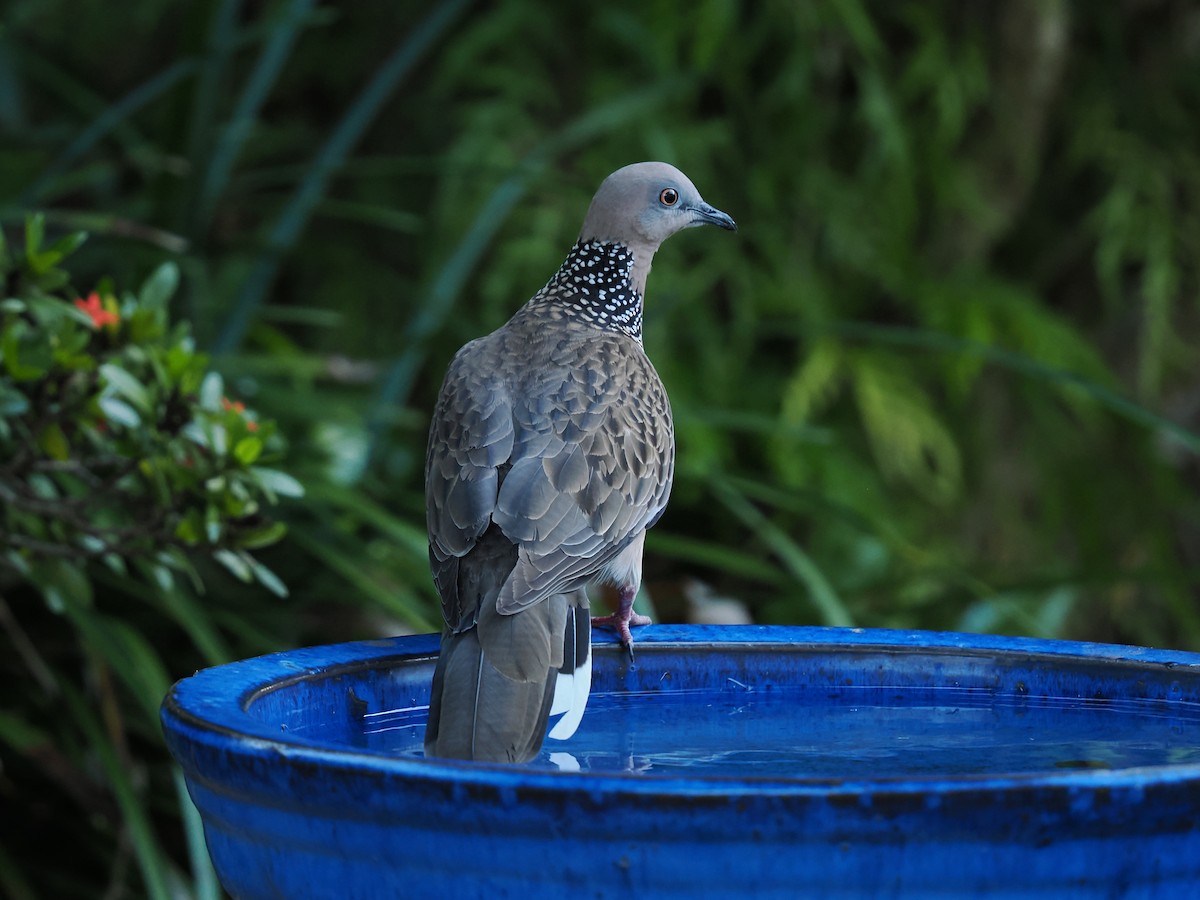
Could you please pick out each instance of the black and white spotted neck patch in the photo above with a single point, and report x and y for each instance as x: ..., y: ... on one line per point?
x: 593, y: 285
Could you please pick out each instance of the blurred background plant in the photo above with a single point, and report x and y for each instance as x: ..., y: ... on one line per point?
x: 947, y: 375
x: 121, y: 461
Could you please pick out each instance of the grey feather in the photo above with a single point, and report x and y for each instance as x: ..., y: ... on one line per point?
x: 460, y: 728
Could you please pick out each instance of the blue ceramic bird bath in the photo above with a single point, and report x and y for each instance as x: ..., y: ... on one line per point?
x: 725, y: 762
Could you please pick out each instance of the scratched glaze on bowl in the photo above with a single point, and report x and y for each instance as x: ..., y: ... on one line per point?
x: 726, y: 762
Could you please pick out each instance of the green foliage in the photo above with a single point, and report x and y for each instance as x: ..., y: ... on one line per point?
x: 944, y: 376
x: 118, y: 445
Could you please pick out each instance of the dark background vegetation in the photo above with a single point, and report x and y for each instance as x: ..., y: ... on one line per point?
x: 945, y: 376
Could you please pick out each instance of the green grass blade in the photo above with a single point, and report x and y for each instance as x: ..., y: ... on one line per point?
x: 404, y: 533
x: 103, y: 124
x: 795, y: 560
x: 151, y: 858
x: 713, y: 556
x: 262, y: 79
x: 192, y: 616
x: 371, y: 214
x: 114, y: 118
x: 13, y: 884
x: 446, y: 286
x: 299, y: 209
x: 126, y: 651
x: 18, y: 734
x: 75, y: 97
x: 204, y: 877
x: 748, y: 422
x: 217, y: 53
x: 398, y: 601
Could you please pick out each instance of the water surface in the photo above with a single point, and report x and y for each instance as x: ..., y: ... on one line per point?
x: 848, y: 733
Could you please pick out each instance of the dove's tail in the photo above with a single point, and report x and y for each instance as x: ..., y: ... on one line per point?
x: 497, y: 685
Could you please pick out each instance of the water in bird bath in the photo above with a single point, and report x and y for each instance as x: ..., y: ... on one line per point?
x: 846, y: 733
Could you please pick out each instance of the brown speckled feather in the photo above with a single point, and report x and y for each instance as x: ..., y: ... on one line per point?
x: 570, y: 453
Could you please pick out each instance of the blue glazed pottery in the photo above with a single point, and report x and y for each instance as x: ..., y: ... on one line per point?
x: 723, y: 762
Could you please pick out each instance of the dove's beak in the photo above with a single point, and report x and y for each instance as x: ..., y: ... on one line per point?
x: 711, y: 215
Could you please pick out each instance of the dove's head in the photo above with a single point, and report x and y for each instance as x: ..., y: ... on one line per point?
x: 643, y: 204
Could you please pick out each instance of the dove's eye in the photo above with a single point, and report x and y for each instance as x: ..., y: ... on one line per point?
x: 669, y: 197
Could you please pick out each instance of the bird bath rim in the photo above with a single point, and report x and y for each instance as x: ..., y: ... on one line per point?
x: 212, y: 707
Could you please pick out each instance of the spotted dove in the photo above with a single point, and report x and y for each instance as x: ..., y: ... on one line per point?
x: 550, y: 453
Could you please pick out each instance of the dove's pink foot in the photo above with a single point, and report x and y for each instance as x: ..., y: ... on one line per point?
x: 623, y: 618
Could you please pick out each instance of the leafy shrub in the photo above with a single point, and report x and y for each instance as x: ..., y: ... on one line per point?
x: 121, y: 461
x: 119, y: 447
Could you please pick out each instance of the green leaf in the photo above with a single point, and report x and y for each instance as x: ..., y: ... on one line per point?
x: 12, y: 401
x: 20, y: 734
x: 18, y: 563
x: 178, y: 560
x: 180, y: 360
x: 218, y: 440
x: 144, y: 326
x: 62, y: 582
x: 42, y: 263
x: 212, y: 523
x: 35, y: 228
x: 158, y: 289
x: 235, y: 564
x: 247, y: 450
x: 77, y: 315
x: 265, y: 576
x: 275, y: 482
x: 814, y: 384
x: 70, y: 350
x: 44, y: 487
x: 190, y: 529
x: 125, y: 384
x: 163, y: 578
x: 119, y: 412
x: 54, y: 443
x: 115, y: 563
x: 909, y: 440
x: 196, y: 433
x: 52, y: 280
x: 262, y: 537
x: 212, y: 389
x: 27, y: 352
x: 152, y: 469
x: 67, y: 244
